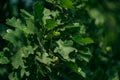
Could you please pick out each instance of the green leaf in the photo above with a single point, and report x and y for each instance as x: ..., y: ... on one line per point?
x: 10, y: 36
x: 27, y: 14
x: 84, y: 55
x: 3, y: 29
x: 48, y: 12
x: 15, y: 37
x: 71, y: 27
x: 3, y: 59
x: 38, y: 11
x: 17, y: 61
x: 97, y: 15
x: 23, y: 52
x: 68, y: 43
x: 47, y: 15
x: 82, y: 40
x: 13, y: 76
x: 44, y: 59
x: 50, y: 24
x: 24, y: 72
x: 30, y: 28
x: 83, y: 74
x: 73, y: 66
x: 67, y: 4
x: 63, y: 49
x: 26, y: 51
x: 15, y: 23
x: 82, y: 29
x: 87, y: 40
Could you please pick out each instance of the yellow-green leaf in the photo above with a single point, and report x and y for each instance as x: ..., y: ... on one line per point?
x: 67, y: 4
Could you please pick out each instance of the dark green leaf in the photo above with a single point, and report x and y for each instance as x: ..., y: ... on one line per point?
x: 82, y: 40
x: 38, y: 11
x: 27, y: 14
x: 3, y: 59
x: 3, y: 29
x: 84, y: 55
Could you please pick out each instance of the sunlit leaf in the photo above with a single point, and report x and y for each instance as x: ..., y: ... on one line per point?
x: 50, y: 24
x: 17, y: 61
x: 64, y: 50
x: 44, y: 59
x: 47, y: 15
x: 81, y: 72
x: 67, y: 4
x: 30, y: 28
